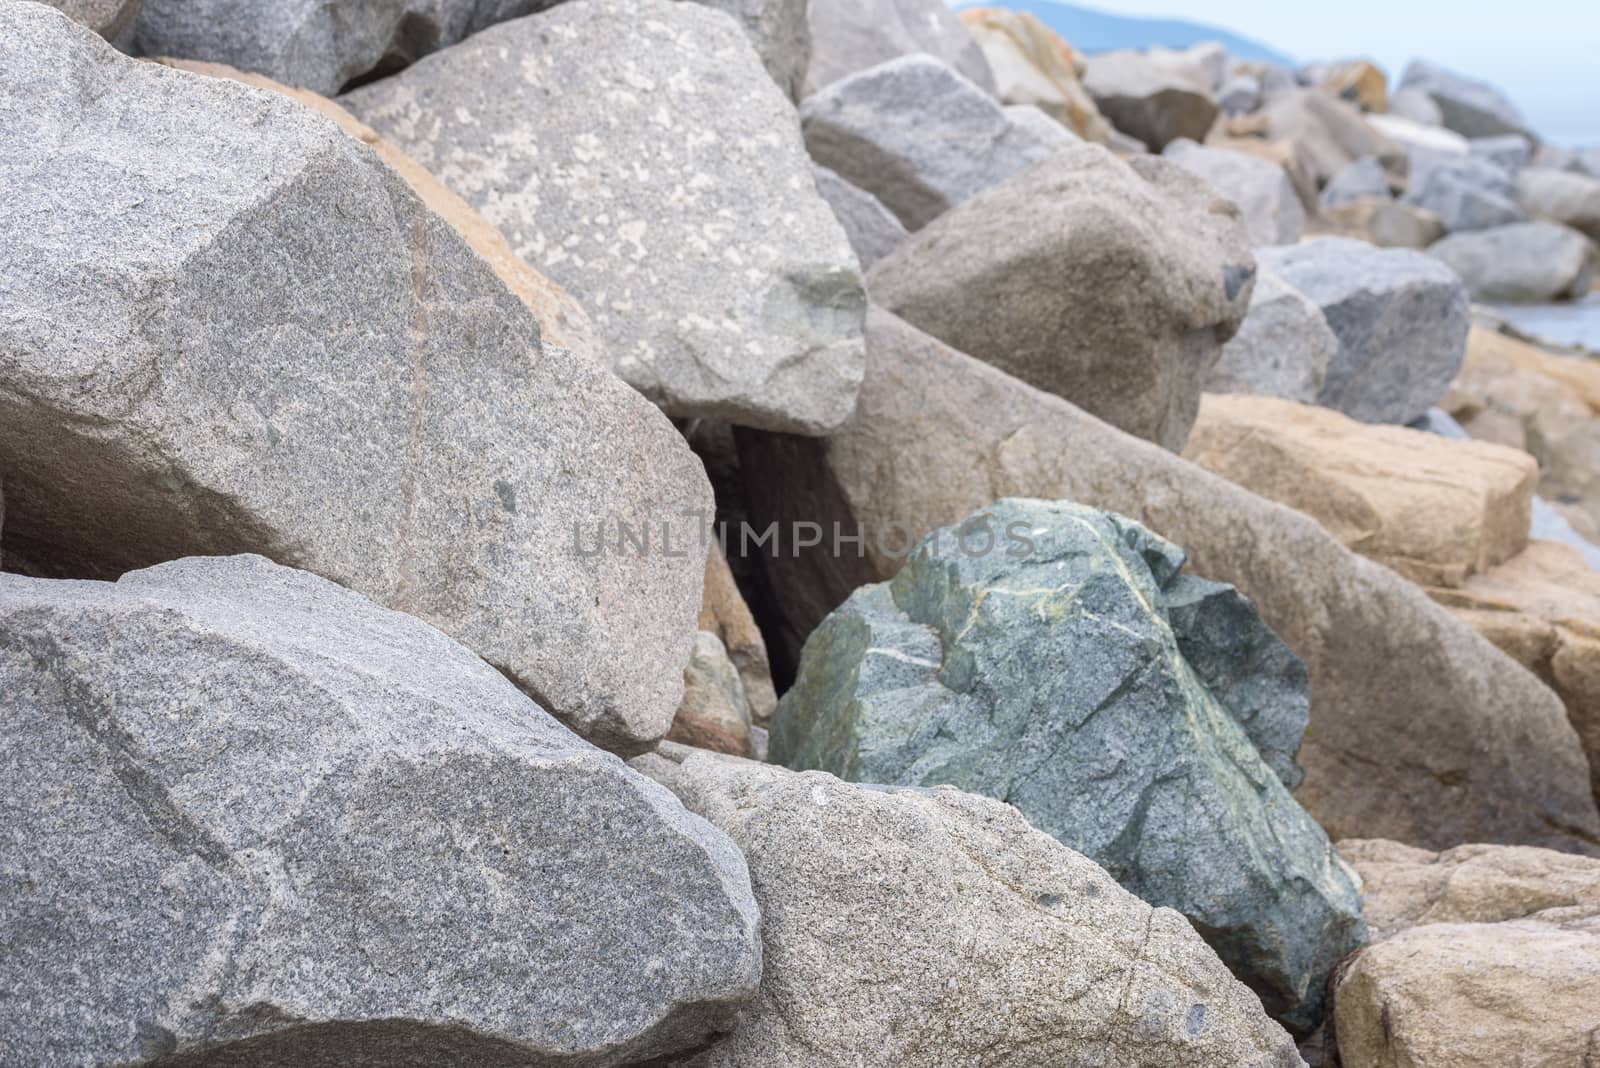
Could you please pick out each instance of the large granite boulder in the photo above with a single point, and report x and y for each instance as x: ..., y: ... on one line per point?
x: 848, y: 36
x: 928, y: 928
x: 1435, y: 510
x: 1330, y: 133
x: 1420, y: 729
x: 1465, y: 192
x: 1050, y: 655
x: 1529, y: 262
x: 1017, y: 276
x: 1032, y: 65
x: 1282, y: 350
x: 108, y: 18
x: 781, y: 33
x: 920, y: 137
x: 1470, y: 108
x: 1562, y: 197
x: 1273, y: 214
x: 872, y: 229
x: 271, y: 345
x: 252, y: 818
x: 1401, y: 318
x: 1148, y: 99
x: 688, y: 223
x: 1364, y: 179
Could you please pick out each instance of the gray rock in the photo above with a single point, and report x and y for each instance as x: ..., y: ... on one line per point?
x: 920, y: 137
x: 108, y: 18
x: 1381, y: 221
x: 1530, y: 263
x: 1272, y: 211
x: 1282, y: 350
x: 1239, y: 95
x: 670, y: 193
x: 1550, y: 525
x: 1273, y: 77
x: 1204, y: 64
x: 1510, y: 152
x: 849, y: 36
x: 1149, y: 99
x: 1416, y: 105
x: 870, y: 895
x: 1556, y: 158
x: 1033, y: 119
x: 781, y: 33
x: 250, y: 817
x: 1562, y: 197
x: 1330, y: 133
x: 1402, y: 323
x: 1465, y: 192
x: 873, y: 230
x: 1017, y: 276
x: 1049, y: 655
x: 268, y: 344
x: 1470, y: 108
x: 1589, y: 160
x: 1360, y: 180
x: 1440, y: 422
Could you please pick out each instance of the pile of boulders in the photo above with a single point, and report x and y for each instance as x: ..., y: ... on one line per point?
x: 647, y: 532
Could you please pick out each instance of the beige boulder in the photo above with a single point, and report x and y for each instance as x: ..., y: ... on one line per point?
x: 1420, y: 729
x: 723, y: 612
x: 1032, y: 65
x: 714, y: 713
x: 1333, y: 133
x: 1359, y: 81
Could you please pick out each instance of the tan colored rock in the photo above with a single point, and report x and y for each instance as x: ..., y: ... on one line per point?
x: 562, y: 320
x: 1332, y: 133
x: 1358, y: 81
x: 1379, y: 221
x: 713, y: 714
x: 1434, y: 509
x: 1032, y: 65
x: 723, y: 612
x: 1420, y: 729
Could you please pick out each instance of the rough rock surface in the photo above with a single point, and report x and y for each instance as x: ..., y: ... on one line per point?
x: 1465, y: 192
x: 1381, y: 222
x: 1410, y: 736
x: 1470, y: 108
x: 919, y: 137
x: 1562, y: 197
x: 1331, y: 133
x: 1148, y: 99
x: 873, y: 230
x: 1032, y: 65
x: 1150, y: 764
x: 341, y: 839
x: 1360, y: 180
x: 1532, y: 262
x: 108, y: 18
x: 1016, y: 277
x: 688, y: 223
x: 869, y: 894
x: 714, y: 713
x: 1273, y: 214
x: 1283, y: 348
x: 1435, y: 510
x: 357, y: 393
x: 724, y: 613
x: 781, y: 33
x: 1401, y: 319
x: 848, y: 36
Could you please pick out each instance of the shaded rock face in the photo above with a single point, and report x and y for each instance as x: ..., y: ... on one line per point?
x: 1039, y: 653
x: 689, y: 225
x: 1273, y: 214
x: 1531, y: 262
x: 920, y: 137
x: 1465, y: 192
x: 358, y: 394
x: 1016, y: 276
x: 338, y: 838
x: 868, y: 894
x: 1470, y: 108
x: 1283, y: 348
x: 1408, y: 725
x: 108, y: 18
x: 1032, y: 65
x: 873, y: 230
x: 849, y: 36
x: 781, y: 33
x: 1401, y: 319
x: 1149, y: 100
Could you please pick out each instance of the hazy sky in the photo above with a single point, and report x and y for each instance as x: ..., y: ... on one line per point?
x: 1544, y: 53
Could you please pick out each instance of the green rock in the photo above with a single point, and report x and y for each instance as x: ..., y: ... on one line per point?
x: 1142, y: 717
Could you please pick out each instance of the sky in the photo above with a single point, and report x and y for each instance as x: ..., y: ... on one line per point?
x: 1544, y: 53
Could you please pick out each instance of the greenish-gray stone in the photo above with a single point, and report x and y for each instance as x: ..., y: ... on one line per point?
x: 1145, y: 718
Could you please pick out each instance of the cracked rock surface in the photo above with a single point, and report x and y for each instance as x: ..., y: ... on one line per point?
x: 252, y: 818
x: 1145, y: 718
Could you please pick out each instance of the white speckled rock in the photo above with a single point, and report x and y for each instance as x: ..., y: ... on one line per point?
x: 252, y: 818
x: 873, y: 230
x: 1272, y: 211
x: 781, y: 33
x: 920, y: 137
x: 108, y: 18
x: 669, y: 192
x: 851, y: 35
x: 256, y: 338
x: 1282, y: 350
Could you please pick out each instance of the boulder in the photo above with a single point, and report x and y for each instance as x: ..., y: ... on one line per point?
x: 1050, y: 655
x: 108, y: 18
x: 1379, y: 221
x: 1272, y: 76
x: 1282, y: 350
x: 1361, y: 180
x: 1401, y: 318
x: 1470, y: 108
x: 1273, y: 214
x: 1149, y: 99
x: 1465, y: 192
x: 1042, y: 126
x: 872, y: 229
x: 358, y: 394
x: 1410, y: 735
x: 1239, y: 95
x: 1016, y: 277
x: 1420, y: 137
x: 1204, y: 64
x: 1243, y: 134
x: 1357, y: 81
x: 1529, y: 262
x: 721, y: 283
x: 1562, y: 197
x: 849, y: 36
x: 1416, y: 105
x: 339, y: 838
x: 1511, y: 152
x: 1032, y: 65
x: 869, y: 895
x: 919, y: 137
x: 714, y: 713
x: 1332, y: 134
x: 781, y: 33
x: 1435, y: 510
x: 723, y: 612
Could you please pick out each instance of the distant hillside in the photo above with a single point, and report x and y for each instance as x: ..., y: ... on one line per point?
x: 1089, y: 30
